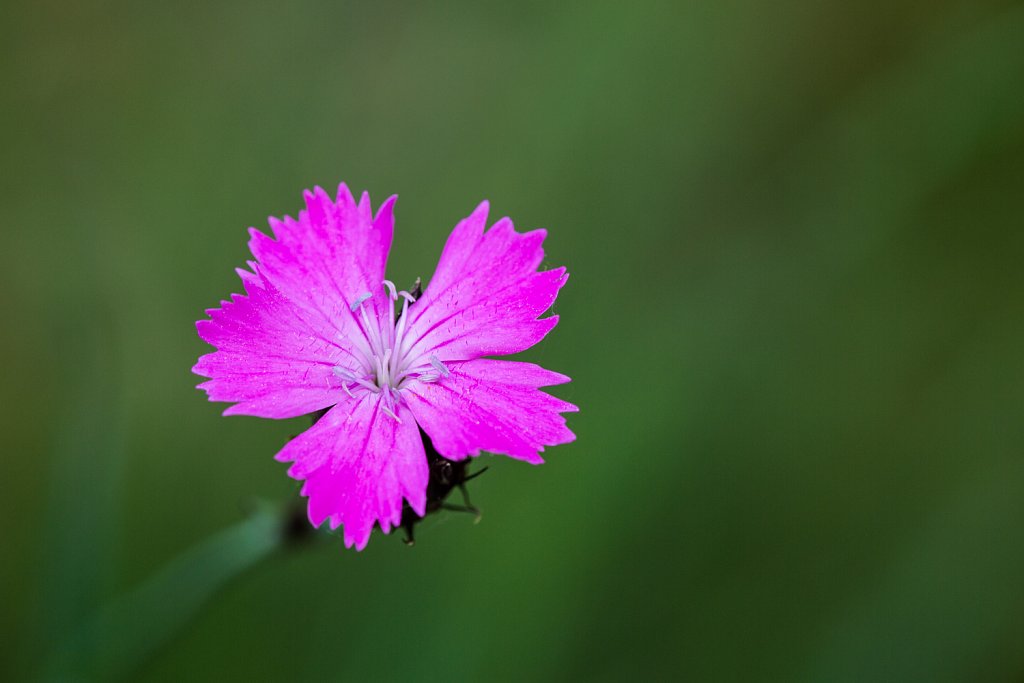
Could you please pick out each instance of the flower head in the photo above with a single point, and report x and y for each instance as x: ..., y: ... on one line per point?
x: 320, y: 327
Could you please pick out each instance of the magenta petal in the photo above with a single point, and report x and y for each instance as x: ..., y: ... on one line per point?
x: 358, y: 463
x: 492, y: 405
x: 269, y: 360
x: 331, y: 255
x: 486, y: 296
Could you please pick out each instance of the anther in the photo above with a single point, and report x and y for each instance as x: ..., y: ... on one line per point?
x: 441, y: 368
x: 359, y: 302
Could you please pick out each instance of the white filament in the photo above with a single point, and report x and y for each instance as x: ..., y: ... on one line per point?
x: 387, y: 366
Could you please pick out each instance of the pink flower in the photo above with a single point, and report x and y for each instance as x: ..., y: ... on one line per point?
x: 317, y: 328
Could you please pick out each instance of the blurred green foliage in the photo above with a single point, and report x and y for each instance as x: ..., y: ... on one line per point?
x: 794, y: 323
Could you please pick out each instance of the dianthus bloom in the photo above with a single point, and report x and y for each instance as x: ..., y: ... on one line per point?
x: 319, y: 327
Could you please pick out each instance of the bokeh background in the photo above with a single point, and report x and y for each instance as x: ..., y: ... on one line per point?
x: 795, y: 325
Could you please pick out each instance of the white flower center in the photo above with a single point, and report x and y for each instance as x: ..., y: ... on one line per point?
x: 386, y: 367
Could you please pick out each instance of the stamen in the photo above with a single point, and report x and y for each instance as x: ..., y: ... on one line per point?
x: 359, y: 301
x: 350, y: 376
x: 344, y: 373
x: 400, y: 338
x: 439, y: 366
x: 391, y: 314
x: 385, y: 362
x: 390, y: 412
x: 372, y: 333
x: 385, y: 365
x: 362, y: 348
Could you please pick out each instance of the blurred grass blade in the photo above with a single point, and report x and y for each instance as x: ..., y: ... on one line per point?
x: 128, y: 631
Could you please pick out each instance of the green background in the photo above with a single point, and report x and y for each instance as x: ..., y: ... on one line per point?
x: 795, y: 326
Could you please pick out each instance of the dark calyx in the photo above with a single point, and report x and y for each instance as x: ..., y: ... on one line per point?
x: 445, y: 476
